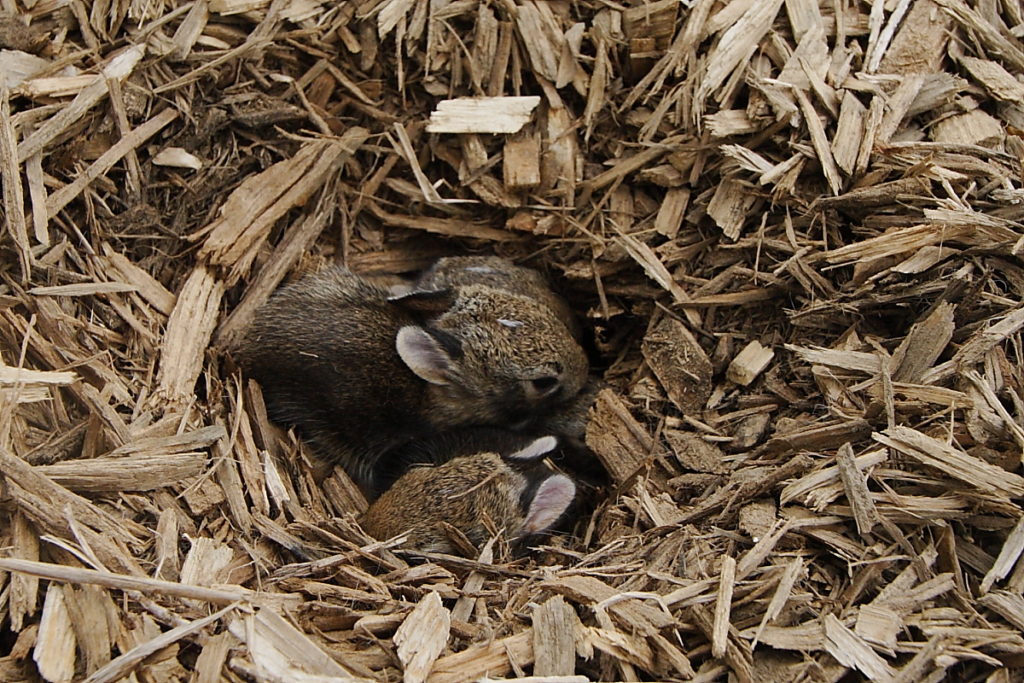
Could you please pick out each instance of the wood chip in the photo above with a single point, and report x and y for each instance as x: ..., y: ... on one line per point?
x: 749, y: 363
x: 422, y: 637
x: 554, y: 633
x: 680, y: 364
x: 482, y: 115
x: 54, y: 652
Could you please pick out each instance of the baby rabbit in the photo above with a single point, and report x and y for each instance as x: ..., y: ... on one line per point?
x: 500, y: 273
x: 477, y: 494
x: 360, y: 372
x: 570, y: 420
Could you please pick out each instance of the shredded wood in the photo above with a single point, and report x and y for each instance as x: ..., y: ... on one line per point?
x: 793, y: 241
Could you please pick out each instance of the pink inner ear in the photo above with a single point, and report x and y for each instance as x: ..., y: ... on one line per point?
x: 422, y: 354
x: 535, y: 449
x: 552, y: 498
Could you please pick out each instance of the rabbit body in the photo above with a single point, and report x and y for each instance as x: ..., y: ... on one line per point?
x: 478, y: 494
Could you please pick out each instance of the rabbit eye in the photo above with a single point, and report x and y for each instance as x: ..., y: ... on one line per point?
x: 545, y: 383
x: 542, y: 387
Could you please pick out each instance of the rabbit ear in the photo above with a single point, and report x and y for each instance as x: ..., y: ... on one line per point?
x: 549, y: 502
x: 423, y: 354
x: 535, y: 449
x: 429, y: 301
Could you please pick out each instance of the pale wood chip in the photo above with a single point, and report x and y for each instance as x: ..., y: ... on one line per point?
x: 205, y: 562
x: 952, y: 461
x: 897, y: 107
x: 809, y: 60
x: 23, y: 590
x: 852, y: 651
x: 975, y: 127
x: 422, y: 637
x: 148, y: 287
x: 749, y: 363
x: 176, y: 157
x: 54, y: 653
x: 13, y: 192
x: 858, y: 361
x: 132, y: 473
x: 9, y: 375
x: 17, y: 66
x: 83, y: 289
x: 541, y: 37
x: 856, y: 486
x: 89, y: 608
x: 672, y: 211
x: 723, y: 605
x: 729, y: 122
x: 925, y: 661
x: 656, y: 270
x: 996, y: 79
x: 521, y: 163
x: 760, y: 520
x: 616, y: 438
x: 819, y: 140
x: 1009, y: 555
x: 804, y: 16
x: 800, y: 488
x: 55, y: 496
x: 990, y: 36
x: 731, y: 205
x: 847, y: 140
x: 879, y: 625
x: 555, y: 625
x: 625, y: 649
x: 1007, y: 604
x: 920, y: 43
x: 189, y: 330
x: 210, y: 662
x: 780, y: 597
x: 482, y: 114
x: 596, y: 99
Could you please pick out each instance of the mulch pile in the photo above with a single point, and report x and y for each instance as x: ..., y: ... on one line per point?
x: 793, y: 231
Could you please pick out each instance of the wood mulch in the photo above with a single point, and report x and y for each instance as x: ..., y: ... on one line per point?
x: 794, y: 233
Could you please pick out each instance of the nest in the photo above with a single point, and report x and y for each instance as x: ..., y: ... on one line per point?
x: 793, y: 237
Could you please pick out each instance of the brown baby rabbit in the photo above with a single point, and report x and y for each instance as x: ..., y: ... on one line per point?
x: 569, y: 421
x: 477, y: 494
x: 360, y: 372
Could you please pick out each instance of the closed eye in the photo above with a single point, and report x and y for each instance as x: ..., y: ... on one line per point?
x: 544, y: 384
x: 541, y: 387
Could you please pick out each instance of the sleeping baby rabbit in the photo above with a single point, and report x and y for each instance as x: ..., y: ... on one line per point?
x: 478, y: 494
